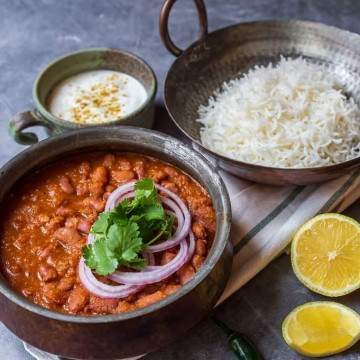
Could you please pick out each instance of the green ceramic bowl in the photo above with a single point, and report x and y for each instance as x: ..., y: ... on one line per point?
x: 72, y: 64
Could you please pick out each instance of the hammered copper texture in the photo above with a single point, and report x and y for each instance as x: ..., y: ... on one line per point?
x: 229, y: 52
x: 146, y: 329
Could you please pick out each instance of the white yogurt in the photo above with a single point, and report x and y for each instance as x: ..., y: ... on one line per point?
x: 95, y: 97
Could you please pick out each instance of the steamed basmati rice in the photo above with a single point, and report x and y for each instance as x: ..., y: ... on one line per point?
x: 290, y: 115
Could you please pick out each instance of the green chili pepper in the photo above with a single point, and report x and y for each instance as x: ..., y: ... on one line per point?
x: 239, y: 344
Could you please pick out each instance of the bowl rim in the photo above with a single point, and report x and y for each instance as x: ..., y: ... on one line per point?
x: 222, y: 234
x: 71, y: 125
x: 188, y: 50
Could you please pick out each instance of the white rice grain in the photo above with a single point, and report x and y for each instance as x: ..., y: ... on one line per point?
x: 290, y: 115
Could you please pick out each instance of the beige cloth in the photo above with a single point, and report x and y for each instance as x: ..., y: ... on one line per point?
x: 265, y: 217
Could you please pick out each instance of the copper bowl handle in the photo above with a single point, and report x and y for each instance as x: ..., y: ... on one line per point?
x: 164, y: 29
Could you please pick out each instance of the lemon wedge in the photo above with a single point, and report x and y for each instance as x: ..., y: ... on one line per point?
x: 321, y: 328
x: 325, y: 254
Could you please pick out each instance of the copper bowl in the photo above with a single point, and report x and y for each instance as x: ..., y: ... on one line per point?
x: 224, y: 54
x: 144, y: 330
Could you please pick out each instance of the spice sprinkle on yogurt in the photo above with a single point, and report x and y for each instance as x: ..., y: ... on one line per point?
x: 96, y: 97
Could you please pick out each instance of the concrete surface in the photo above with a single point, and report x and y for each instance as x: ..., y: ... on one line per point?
x: 34, y: 32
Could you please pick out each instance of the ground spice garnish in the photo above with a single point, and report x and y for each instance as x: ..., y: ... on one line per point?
x: 99, y: 104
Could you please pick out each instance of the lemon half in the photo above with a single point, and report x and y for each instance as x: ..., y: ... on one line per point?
x: 321, y: 328
x: 325, y: 254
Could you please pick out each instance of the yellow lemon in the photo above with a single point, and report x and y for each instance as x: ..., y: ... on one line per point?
x: 325, y: 254
x: 321, y: 328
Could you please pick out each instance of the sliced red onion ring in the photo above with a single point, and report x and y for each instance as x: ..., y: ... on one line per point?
x: 180, y: 233
x: 191, y: 246
x: 190, y: 253
x: 96, y: 287
x: 151, y: 275
x: 116, y: 195
x: 149, y: 257
x: 90, y: 238
x: 183, y: 232
x: 134, y: 281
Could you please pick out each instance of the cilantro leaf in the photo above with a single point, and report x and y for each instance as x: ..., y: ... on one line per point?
x: 165, y: 229
x: 89, y: 257
x: 101, y: 224
x: 100, y: 258
x: 167, y: 226
x: 154, y: 212
x: 123, y: 233
x: 145, y: 192
x: 124, y: 208
x: 125, y: 241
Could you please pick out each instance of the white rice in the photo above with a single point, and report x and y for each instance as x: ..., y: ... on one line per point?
x: 291, y: 115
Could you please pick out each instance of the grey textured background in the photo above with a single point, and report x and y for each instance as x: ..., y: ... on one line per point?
x: 32, y: 33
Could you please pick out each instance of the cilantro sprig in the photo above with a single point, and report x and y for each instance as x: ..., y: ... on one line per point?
x: 124, y: 232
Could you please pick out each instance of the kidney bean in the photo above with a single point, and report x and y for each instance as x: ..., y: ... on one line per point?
x: 124, y: 164
x: 72, y: 270
x: 47, y: 273
x: 158, y: 175
x: 166, y: 257
x: 102, y: 306
x: 82, y: 189
x: 97, y: 204
x: 170, y: 171
x: 84, y: 226
x: 66, y: 283
x: 85, y: 169
x: 110, y: 188
x: 198, y: 230
x: 91, y: 214
x: 62, y: 266
x: 170, y: 186
x: 139, y: 169
x: 109, y: 160
x: 68, y: 237
x: 200, y: 248
x: 186, y: 273
x: 64, y: 211
x: 197, y: 261
x: 100, y: 175
x: 71, y: 222
x: 99, y: 180
x: 45, y: 252
x: 53, y: 224
x: 124, y: 306
x: 171, y: 288
x: 123, y: 176
x: 65, y: 185
x: 150, y: 299
x: 206, y: 215
x: 78, y: 299
x: 56, y: 197
x: 51, y: 294
x: 198, y: 201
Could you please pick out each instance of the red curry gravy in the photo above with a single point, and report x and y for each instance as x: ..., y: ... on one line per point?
x: 50, y: 212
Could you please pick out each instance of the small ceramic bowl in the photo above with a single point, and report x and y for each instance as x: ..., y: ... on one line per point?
x: 72, y: 64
